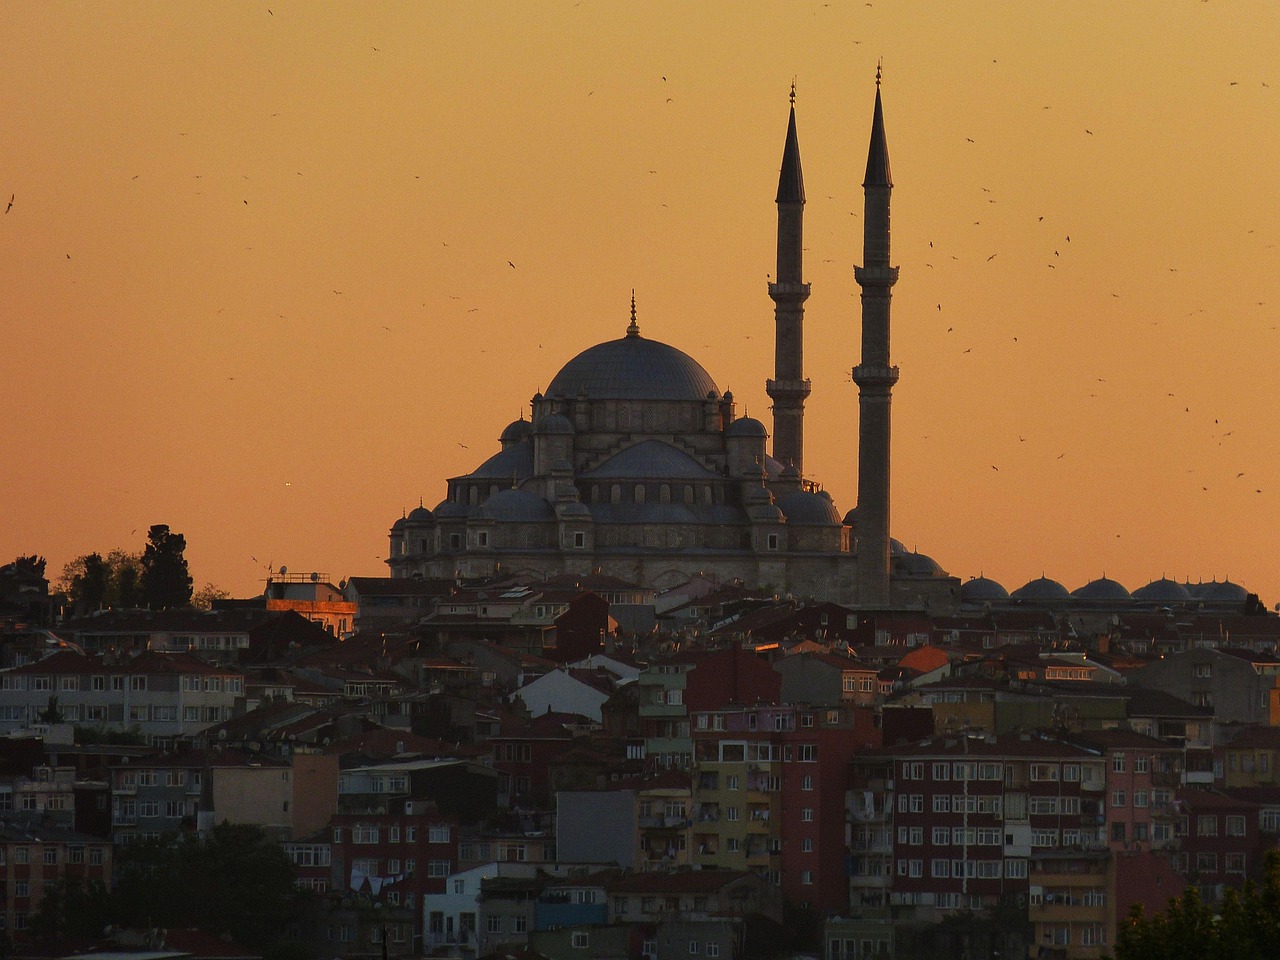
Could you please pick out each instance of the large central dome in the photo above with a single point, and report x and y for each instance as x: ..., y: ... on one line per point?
x: 632, y: 368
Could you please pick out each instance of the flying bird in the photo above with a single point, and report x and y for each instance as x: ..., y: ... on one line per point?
x: 10, y: 206
x: 511, y: 265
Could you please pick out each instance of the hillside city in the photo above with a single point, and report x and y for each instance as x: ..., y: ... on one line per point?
x: 581, y: 766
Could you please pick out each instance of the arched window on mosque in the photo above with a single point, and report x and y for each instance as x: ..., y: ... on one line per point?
x: 688, y: 494
x: 664, y: 493
x: 639, y: 493
x: 615, y: 493
x: 473, y: 496
x: 706, y: 495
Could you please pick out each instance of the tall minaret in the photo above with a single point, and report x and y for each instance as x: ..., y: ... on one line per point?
x: 789, y: 388
x: 874, y: 375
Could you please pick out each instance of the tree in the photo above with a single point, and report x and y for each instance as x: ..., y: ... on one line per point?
x: 166, y: 582
x: 92, y: 582
x: 203, y: 599
x: 1248, y: 925
x: 233, y: 881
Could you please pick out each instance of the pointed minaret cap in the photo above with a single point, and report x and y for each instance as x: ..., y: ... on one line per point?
x: 633, y: 328
x: 878, y: 174
x: 791, y: 179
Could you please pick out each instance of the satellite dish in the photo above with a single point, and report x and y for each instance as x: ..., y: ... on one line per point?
x: 283, y: 571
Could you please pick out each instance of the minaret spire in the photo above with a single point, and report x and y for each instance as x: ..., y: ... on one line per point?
x: 789, y: 389
x: 874, y: 375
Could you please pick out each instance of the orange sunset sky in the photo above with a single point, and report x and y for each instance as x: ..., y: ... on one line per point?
x: 255, y: 278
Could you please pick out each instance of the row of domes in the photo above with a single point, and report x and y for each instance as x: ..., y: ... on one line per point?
x: 1104, y: 589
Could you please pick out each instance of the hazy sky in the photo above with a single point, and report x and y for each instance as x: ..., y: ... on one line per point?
x: 256, y: 284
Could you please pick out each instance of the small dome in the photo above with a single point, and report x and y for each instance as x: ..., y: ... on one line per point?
x: 1163, y: 590
x: 1103, y: 588
x: 982, y: 590
x: 896, y: 549
x: 554, y: 423
x: 517, y: 506
x: 420, y: 514
x: 517, y: 431
x: 1041, y: 589
x: 574, y: 508
x: 851, y: 519
x: 802, y: 507
x: 789, y: 472
x: 915, y: 564
x: 747, y: 427
x: 398, y: 525
x: 1221, y: 591
x: 448, y: 510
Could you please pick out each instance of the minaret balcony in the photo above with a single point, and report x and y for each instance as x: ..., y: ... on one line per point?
x: 787, y: 389
x: 789, y: 291
x: 875, y: 276
x: 874, y: 375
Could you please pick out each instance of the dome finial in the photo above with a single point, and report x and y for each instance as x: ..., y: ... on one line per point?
x: 879, y: 70
x: 793, y: 91
x: 633, y: 330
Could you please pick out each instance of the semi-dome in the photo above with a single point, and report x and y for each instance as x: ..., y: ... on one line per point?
x: 1163, y: 590
x: 1104, y: 588
x: 517, y: 431
x: 554, y: 424
x: 516, y: 505
x: 982, y: 590
x: 746, y: 427
x: 633, y: 368
x: 450, y: 510
x: 513, y: 462
x: 1041, y: 589
x: 651, y: 460
x: 802, y: 507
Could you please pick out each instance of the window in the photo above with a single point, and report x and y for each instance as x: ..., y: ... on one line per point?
x: 519, y: 924
x: 941, y: 771
x: 1140, y: 798
x: 713, y: 949
x: 940, y: 868
x: 806, y: 814
x: 1207, y: 862
x: 1235, y: 826
x: 695, y: 948
x: 1207, y: 825
x: 1235, y: 862
x: 1117, y: 763
x: 806, y: 783
x: 1141, y: 764
x: 494, y: 925
x: 1119, y: 798
x: 941, y: 803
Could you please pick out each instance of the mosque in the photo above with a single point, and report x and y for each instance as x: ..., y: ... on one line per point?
x: 635, y: 465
